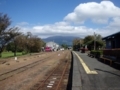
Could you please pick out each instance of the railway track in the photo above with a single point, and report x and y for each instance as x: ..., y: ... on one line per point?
x: 58, y: 78
x: 11, y: 73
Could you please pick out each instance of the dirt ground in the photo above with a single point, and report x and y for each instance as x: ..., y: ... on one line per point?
x: 11, y: 63
x: 27, y: 79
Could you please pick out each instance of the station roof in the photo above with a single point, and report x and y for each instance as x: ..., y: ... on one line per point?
x: 112, y: 35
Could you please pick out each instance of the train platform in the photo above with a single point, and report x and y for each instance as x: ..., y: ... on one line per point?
x: 92, y: 74
x: 76, y: 79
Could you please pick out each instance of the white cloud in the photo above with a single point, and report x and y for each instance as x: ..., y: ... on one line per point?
x: 22, y: 24
x: 97, y: 12
x: 61, y: 23
x: 66, y: 30
x: 103, y: 12
x: 115, y: 22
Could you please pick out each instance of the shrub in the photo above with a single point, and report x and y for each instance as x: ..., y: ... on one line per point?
x: 97, y: 53
x: 24, y: 52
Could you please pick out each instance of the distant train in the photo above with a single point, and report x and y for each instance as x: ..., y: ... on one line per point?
x: 48, y: 49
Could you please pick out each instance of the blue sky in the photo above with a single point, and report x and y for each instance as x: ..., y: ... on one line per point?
x: 64, y: 17
x: 37, y: 11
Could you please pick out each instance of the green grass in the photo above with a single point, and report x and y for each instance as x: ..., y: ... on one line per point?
x: 10, y: 54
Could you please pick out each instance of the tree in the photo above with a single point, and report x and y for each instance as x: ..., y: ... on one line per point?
x: 6, y: 34
x: 93, y: 41
x: 10, y: 46
x: 42, y: 43
x: 77, y: 43
x: 29, y: 42
x: 23, y: 42
x: 88, y: 38
x: 98, y: 37
x: 18, y: 42
x: 65, y: 46
x: 33, y: 43
x: 37, y: 44
x: 98, y: 44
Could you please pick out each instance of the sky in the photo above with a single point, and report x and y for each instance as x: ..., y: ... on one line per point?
x: 80, y: 18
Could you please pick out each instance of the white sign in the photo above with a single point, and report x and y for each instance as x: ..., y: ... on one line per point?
x: 58, y: 54
x: 15, y: 58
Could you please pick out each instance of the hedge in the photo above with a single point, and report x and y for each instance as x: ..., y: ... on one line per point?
x: 96, y: 53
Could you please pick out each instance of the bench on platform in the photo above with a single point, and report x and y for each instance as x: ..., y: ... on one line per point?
x: 91, y: 55
x: 117, y: 62
x: 112, y: 59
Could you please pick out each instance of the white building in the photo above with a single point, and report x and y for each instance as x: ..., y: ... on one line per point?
x: 53, y: 45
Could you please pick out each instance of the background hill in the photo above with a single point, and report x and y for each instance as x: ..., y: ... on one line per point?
x: 61, y: 39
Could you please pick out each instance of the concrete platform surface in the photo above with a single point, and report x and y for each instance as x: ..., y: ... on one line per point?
x: 106, y: 78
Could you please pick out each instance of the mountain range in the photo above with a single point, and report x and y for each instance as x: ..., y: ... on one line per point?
x: 61, y: 39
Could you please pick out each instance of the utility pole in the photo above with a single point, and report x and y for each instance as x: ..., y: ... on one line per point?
x: 29, y: 34
x: 94, y: 41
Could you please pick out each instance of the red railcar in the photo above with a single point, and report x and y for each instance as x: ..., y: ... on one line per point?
x: 48, y: 49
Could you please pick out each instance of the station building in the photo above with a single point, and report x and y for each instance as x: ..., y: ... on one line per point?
x: 112, y: 41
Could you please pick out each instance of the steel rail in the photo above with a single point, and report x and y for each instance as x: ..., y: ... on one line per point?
x: 62, y: 75
x: 47, y: 78
x: 41, y: 86
x: 52, y: 72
